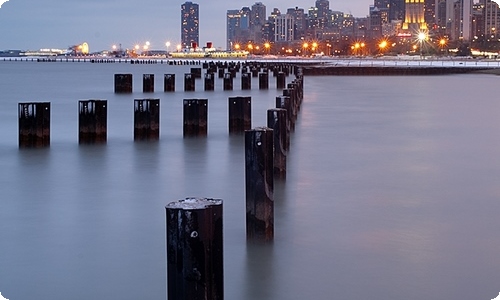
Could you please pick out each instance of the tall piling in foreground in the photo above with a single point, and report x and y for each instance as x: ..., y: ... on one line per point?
x: 34, y: 124
x: 276, y: 120
x: 259, y: 184
x: 280, y: 80
x: 209, y: 81
x: 195, y: 117
x: 146, y: 119
x: 263, y: 81
x: 148, y: 83
x: 169, y: 83
x: 240, y: 114
x: 195, y: 265
x: 189, y: 82
x: 246, y: 81
x: 228, y: 82
x: 92, y: 120
x: 123, y: 83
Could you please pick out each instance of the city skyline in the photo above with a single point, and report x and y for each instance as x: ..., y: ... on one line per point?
x: 32, y: 24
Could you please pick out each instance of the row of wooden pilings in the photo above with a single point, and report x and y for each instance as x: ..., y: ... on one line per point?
x: 123, y: 83
x: 195, y: 225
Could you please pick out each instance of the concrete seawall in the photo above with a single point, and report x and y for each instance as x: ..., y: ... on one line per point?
x: 387, y: 70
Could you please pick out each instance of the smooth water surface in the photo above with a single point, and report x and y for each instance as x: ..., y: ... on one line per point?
x: 392, y: 190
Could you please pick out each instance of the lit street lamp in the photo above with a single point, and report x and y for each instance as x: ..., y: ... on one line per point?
x: 168, y: 45
x: 422, y: 36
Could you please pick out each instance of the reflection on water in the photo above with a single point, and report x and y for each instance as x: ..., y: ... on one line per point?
x: 391, y: 192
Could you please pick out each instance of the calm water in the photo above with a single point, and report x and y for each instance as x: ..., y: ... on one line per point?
x: 393, y: 189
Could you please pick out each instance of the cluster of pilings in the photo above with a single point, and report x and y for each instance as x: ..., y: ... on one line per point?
x: 195, y: 225
x: 225, y: 71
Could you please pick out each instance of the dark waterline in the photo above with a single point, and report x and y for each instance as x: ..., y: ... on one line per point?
x: 391, y: 192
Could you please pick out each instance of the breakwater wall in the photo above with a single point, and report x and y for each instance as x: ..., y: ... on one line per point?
x: 396, y: 70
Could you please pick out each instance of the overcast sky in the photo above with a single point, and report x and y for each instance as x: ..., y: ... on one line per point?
x: 36, y: 24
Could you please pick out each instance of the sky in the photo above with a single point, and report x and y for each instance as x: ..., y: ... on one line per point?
x: 37, y: 24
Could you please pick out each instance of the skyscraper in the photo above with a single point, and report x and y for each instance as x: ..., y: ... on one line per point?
x: 190, y: 31
x: 414, y: 15
x: 323, y: 7
x: 396, y: 10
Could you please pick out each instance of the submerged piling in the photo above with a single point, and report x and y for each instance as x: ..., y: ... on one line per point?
x: 195, y: 117
x: 34, y: 124
x: 146, y: 119
x: 194, y: 238
x: 259, y: 184
x: 169, y: 83
x: 148, y: 83
x: 123, y: 83
x: 92, y: 120
x: 276, y: 120
x: 240, y: 114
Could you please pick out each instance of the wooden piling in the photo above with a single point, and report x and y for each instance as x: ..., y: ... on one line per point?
x: 209, y: 81
x: 195, y: 117
x: 259, y: 187
x: 280, y: 80
x: 148, y: 83
x: 123, y: 83
x: 276, y: 120
x: 196, y: 72
x: 146, y: 119
x: 169, y: 83
x: 246, y: 81
x: 285, y: 103
x: 263, y: 81
x: 228, y: 82
x: 194, y: 238
x: 240, y: 114
x: 92, y: 121
x: 189, y: 82
x: 34, y: 124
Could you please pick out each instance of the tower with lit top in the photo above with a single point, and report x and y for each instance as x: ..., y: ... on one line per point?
x: 414, y: 15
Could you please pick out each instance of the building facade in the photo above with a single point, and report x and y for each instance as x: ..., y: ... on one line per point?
x: 190, y: 24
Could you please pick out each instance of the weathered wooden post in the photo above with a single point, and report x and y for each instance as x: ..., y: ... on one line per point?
x: 240, y: 114
x: 195, y: 264
x: 148, y: 83
x: 276, y: 120
x: 280, y: 80
x: 196, y: 72
x: 291, y: 92
x: 285, y: 103
x: 169, y: 83
x: 221, y: 72
x: 195, y: 117
x: 123, y: 83
x: 189, y: 82
x: 259, y: 184
x: 209, y: 81
x: 146, y: 119
x: 263, y: 81
x: 246, y: 81
x: 92, y: 121
x: 34, y: 124
x: 228, y: 82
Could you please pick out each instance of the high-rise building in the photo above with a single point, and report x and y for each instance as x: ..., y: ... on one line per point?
x: 299, y: 21
x: 283, y: 28
x: 380, y: 4
x: 491, y: 20
x: 397, y: 10
x: 414, y: 15
x: 257, y: 21
x: 323, y: 12
x: 461, y: 25
x: 233, y: 19
x: 190, y: 24
x: 430, y: 13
